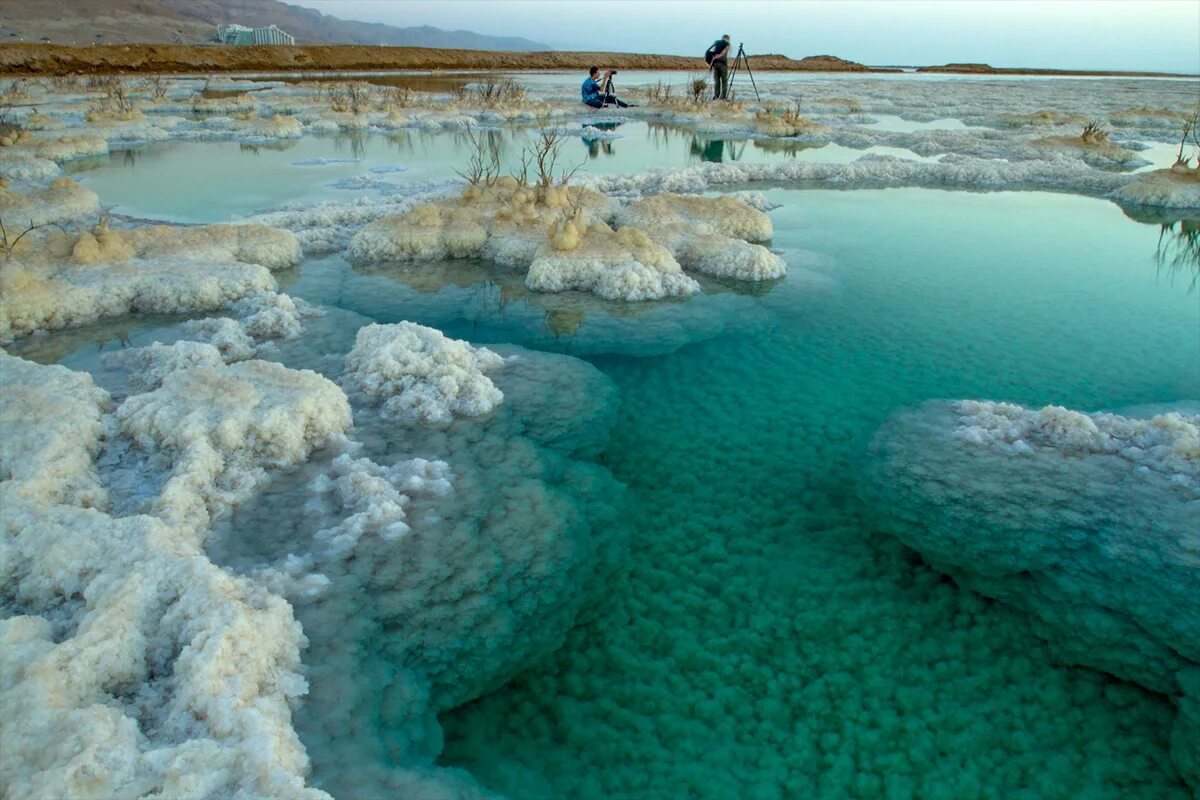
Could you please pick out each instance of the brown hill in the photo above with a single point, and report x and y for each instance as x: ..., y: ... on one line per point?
x: 47, y: 59
x: 195, y: 21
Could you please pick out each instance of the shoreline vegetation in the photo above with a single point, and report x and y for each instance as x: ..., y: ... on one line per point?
x: 53, y: 59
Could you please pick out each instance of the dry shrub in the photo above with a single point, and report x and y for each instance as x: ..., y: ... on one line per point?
x: 497, y: 91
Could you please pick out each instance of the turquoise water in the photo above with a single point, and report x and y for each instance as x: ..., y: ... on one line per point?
x: 763, y: 640
x: 217, y: 181
x: 765, y: 643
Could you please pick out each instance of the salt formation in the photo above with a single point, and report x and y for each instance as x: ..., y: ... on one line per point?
x: 621, y: 265
x: 135, y: 667
x: 1088, y: 522
x: 148, y: 366
x: 220, y: 428
x: 712, y: 235
x: 1093, y: 145
x: 419, y: 375
x: 62, y: 148
x: 71, y: 279
x: 788, y: 123
x: 64, y: 200
x: 504, y: 222
x: 424, y: 581
x: 561, y: 236
x: 1177, y: 187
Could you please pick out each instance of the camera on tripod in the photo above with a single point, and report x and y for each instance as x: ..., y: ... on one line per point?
x: 742, y: 60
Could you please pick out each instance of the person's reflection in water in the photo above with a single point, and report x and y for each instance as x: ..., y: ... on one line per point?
x: 712, y: 150
x: 596, y: 146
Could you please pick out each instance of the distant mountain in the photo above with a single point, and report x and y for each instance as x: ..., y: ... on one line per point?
x: 195, y: 21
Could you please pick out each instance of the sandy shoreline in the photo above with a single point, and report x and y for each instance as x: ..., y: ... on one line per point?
x: 48, y: 59
x: 52, y: 59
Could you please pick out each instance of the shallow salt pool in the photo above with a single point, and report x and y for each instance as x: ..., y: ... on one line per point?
x: 762, y: 640
x: 225, y: 180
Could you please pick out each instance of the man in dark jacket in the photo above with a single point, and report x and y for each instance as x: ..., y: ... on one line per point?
x: 720, y: 67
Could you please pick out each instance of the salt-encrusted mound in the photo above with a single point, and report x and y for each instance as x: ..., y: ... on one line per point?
x: 419, y: 375
x: 223, y: 333
x: 462, y: 227
x: 621, y: 265
x: 1089, y: 522
x: 709, y: 234
x: 217, y: 429
x: 20, y: 167
x: 134, y: 667
x: 148, y: 366
x: 51, y: 148
x: 64, y: 280
x: 64, y: 200
x: 1178, y: 187
x: 1096, y: 150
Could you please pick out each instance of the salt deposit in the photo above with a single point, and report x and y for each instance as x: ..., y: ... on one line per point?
x: 213, y: 584
x: 625, y: 265
x: 148, y: 366
x: 709, y: 235
x: 417, y: 374
x: 62, y: 201
x: 1069, y: 517
x: 134, y: 666
x: 70, y: 279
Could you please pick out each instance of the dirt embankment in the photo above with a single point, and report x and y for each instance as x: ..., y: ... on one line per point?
x: 50, y: 59
x: 988, y: 69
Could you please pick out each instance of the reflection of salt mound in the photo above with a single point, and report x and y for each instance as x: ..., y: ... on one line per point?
x: 418, y: 374
x: 621, y: 265
x: 135, y: 666
x: 1091, y: 523
x: 69, y: 279
x: 709, y: 234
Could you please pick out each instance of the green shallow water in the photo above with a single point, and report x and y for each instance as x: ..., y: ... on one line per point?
x: 763, y: 640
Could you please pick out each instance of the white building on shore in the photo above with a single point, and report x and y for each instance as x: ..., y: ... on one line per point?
x: 240, y: 34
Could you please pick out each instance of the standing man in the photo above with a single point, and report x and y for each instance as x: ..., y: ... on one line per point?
x: 720, y: 67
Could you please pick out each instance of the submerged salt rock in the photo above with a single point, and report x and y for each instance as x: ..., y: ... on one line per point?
x: 621, y: 265
x: 134, y: 667
x: 432, y: 580
x: 420, y: 375
x: 1088, y: 522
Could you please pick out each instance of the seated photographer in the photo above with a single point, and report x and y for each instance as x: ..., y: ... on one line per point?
x: 597, y: 94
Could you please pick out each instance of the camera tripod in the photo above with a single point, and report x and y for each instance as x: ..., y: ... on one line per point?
x: 741, y: 60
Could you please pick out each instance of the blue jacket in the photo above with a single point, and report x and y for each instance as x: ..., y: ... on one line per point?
x: 591, y: 90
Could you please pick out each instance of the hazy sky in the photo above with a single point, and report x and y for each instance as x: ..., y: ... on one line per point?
x: 1078, y: 34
